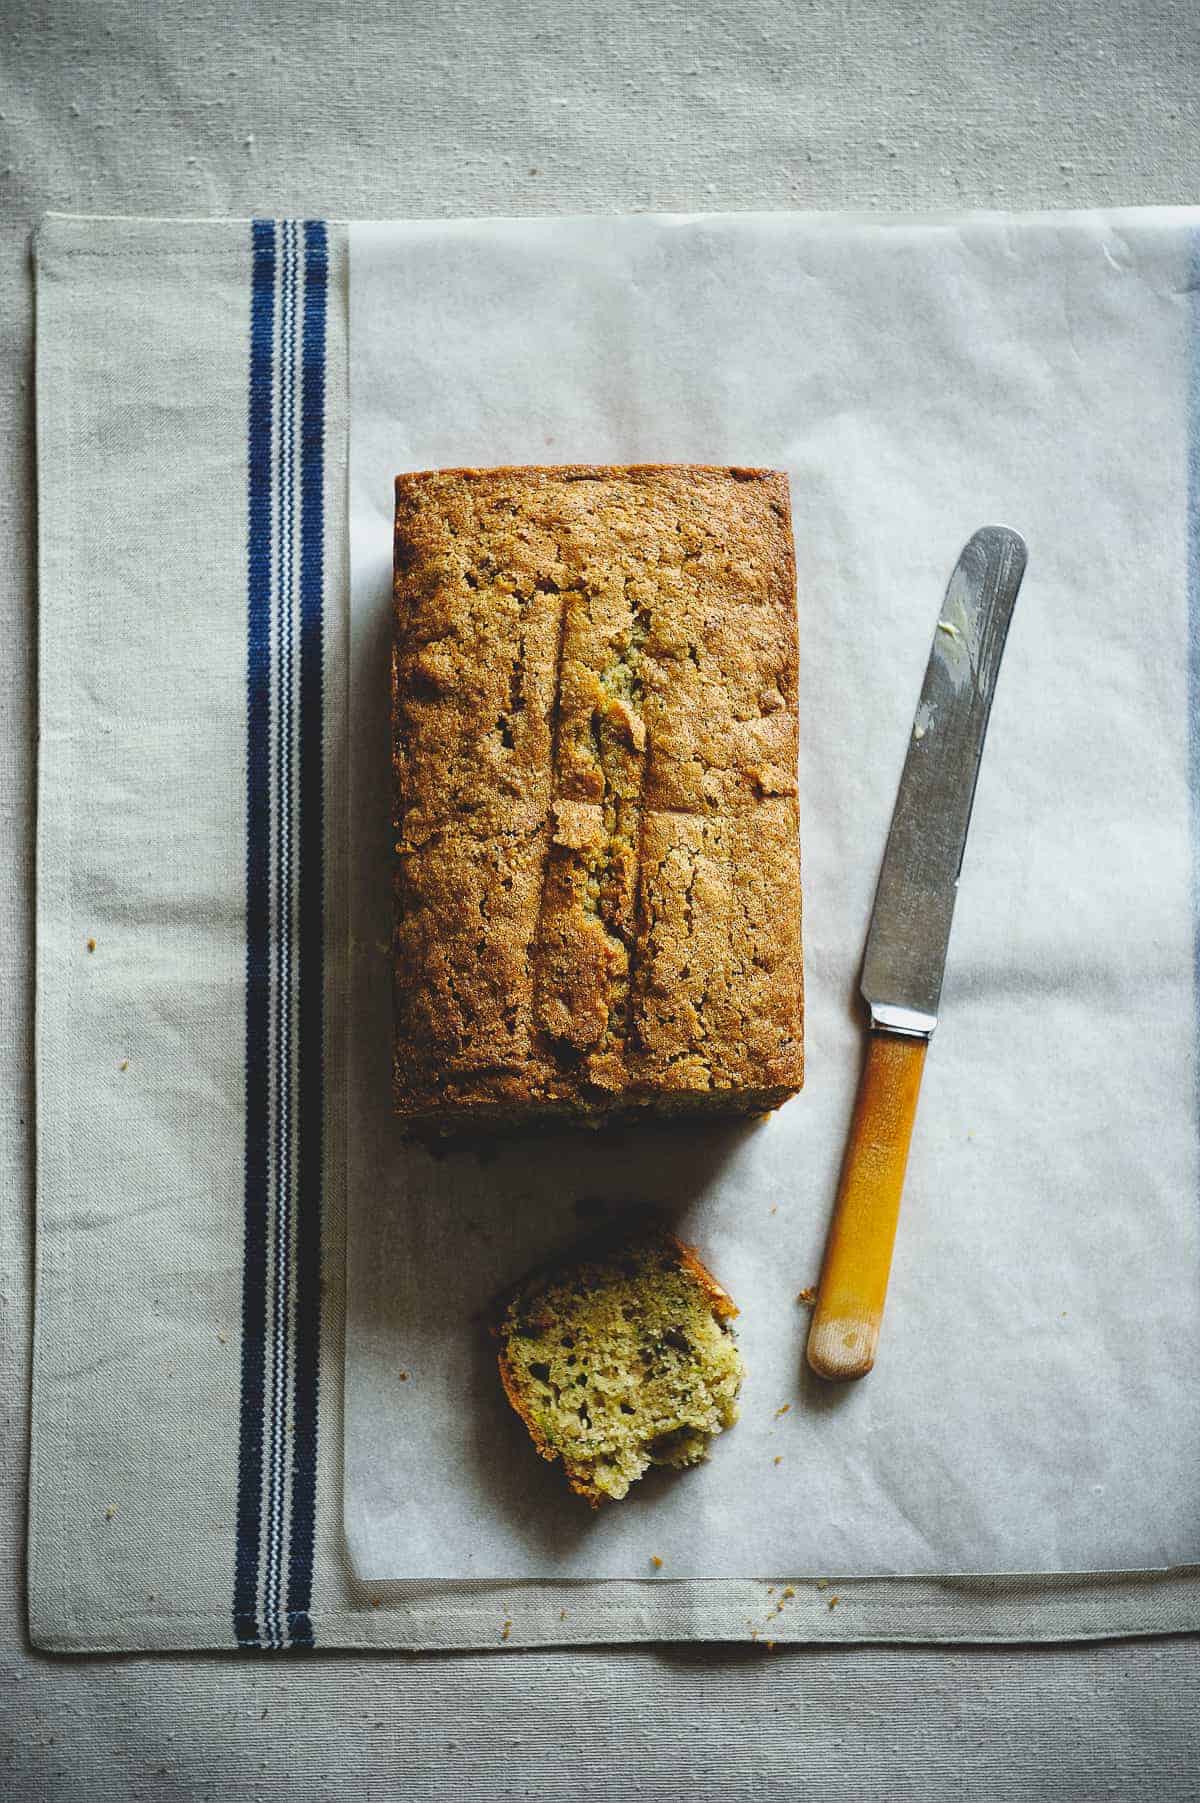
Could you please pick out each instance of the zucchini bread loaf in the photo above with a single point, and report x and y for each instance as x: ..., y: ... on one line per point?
x: 597, y: 879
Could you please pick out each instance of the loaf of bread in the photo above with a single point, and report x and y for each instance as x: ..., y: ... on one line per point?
x: 597, y: 880
x: 621, y: 1358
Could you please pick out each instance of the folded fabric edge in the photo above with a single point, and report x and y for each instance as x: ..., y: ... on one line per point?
x: 53, y: 222
x: 1013, y: 1609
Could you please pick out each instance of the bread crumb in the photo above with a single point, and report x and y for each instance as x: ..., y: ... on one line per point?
x: 775, y: 1210
x: 91, y: 945
x: 124, y: 1065
x: 789, y: 1590
x: 562, y: 1615
x: 834, y: 1601
x: 403, y: 1375
x: 783, y: 1410
x: 770, y: 1645
x: 374, y: 1602
x: 506, y: 1630
x: 110, y: 1512
x: 807, y: 1296
x: 778, y: 1458
x: 656, y: 1561
x: 822, y: 1583
x: 221, y: 1340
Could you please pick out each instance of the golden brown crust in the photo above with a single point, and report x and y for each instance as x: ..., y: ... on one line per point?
x: 594, y: 747
x: 720, y: 1301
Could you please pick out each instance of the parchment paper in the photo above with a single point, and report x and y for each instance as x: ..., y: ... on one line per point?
x: 1034, y: 1406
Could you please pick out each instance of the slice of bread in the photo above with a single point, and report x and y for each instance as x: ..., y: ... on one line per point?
x: 621, y: 1357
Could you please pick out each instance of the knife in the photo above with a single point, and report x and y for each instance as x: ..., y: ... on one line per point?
x: 906, y: 946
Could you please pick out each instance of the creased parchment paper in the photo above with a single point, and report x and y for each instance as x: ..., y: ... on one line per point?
x: 1034, y: 1406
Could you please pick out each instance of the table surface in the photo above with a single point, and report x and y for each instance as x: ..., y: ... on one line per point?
x: 386, y: 110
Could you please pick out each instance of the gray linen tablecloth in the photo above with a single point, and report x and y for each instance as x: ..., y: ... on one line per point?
x: 389, y: 111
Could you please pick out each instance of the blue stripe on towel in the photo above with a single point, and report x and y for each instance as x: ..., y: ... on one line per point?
x: 284, y: 937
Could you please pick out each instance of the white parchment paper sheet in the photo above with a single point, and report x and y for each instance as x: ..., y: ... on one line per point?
x: 1033, y: 1407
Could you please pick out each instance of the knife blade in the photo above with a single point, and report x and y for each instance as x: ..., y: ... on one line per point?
x: 914, y: 901
x: 907, y: 942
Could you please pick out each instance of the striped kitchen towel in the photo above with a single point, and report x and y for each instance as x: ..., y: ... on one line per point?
x: 191, y: 397
x: 186, y: 1469
x: 284, y: 932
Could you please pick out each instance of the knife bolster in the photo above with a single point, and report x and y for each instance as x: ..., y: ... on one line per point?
x: 889, y: 1017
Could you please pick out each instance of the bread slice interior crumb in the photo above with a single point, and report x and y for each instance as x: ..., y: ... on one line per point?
x: 622, y: 1359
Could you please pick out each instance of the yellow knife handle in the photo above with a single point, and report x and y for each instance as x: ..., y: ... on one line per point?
x: 858, y: 1254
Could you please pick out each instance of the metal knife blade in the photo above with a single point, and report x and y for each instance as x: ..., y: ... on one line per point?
x: 914, y: 901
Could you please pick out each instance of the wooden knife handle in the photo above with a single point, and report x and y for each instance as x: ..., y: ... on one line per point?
x: 858, y: 1254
